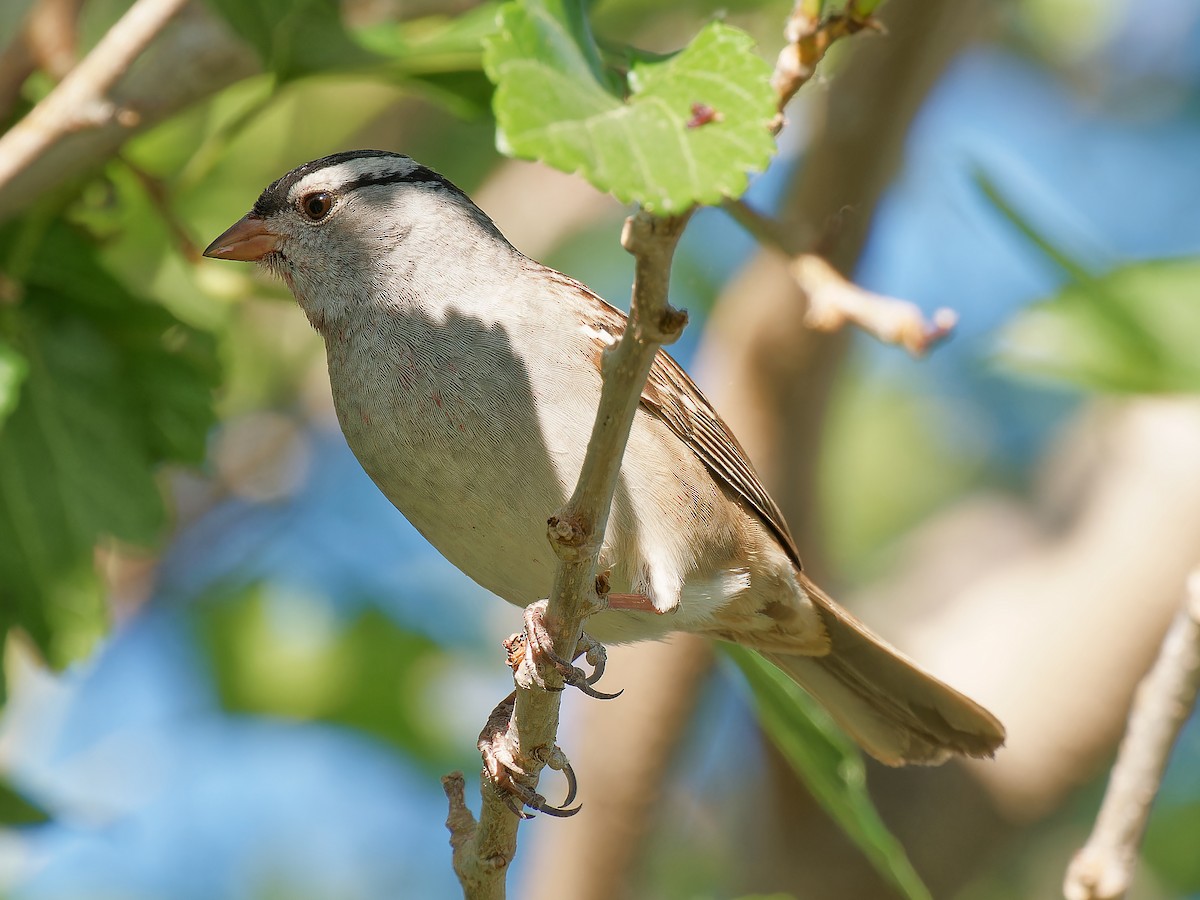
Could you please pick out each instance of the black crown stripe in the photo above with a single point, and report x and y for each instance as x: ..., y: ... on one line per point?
x: 274, y: 199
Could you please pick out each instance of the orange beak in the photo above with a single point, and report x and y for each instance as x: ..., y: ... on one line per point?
x: 248, y: 240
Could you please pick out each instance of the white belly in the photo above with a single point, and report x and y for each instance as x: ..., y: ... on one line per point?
x: 453, y: 439
x: 477, y: 447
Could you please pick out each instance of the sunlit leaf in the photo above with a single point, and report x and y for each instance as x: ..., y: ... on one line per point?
x: 829, y: 765
x: 691, y: 128
x: 115, y: 386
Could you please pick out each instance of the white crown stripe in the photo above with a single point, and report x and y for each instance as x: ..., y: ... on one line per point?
x: 335, y: 177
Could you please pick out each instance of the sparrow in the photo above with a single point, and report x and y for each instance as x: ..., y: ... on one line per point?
x: 466, y: 379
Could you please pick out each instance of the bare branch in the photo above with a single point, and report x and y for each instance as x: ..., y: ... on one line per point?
x: 468, y: 865
x: 768, y: 231
x: 577, y: 532
x: 80, y: 100
x: 808, y: 40
x: 1103, y: 869
x: 834, y: 300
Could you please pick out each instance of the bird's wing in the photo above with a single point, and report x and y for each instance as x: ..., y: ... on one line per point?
x: 671, y: 395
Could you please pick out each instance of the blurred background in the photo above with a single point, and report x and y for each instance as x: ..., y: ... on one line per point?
x: 246, y: 672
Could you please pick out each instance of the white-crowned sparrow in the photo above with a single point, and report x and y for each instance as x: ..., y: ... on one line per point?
x: 466, y: 379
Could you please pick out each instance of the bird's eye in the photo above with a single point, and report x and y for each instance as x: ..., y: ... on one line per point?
x: 316, y: 206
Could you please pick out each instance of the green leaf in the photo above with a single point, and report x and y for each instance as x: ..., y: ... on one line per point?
x: 829, y: 765
x: 16, y: 810
x: 1132, y: 329
x: 690, y: 130
x: 1135, y: 329
x: 115, y: 387
x: 13, y: 368
x: 295, y: 37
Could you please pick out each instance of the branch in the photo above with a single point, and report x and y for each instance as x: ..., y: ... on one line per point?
x: 1103, y: 869
x: 482, y: 852
x: 834, y: 300
x: 809, y: 38
x: 79, y: 101
x: 767, y: 230
x: 623, y: 753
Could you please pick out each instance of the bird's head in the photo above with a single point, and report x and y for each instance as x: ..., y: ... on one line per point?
x: 356, y: 227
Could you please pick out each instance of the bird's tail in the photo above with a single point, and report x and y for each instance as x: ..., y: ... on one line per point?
x: 897, y: 712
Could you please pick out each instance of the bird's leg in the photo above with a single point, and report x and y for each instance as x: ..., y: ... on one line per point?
x: 530, y: 651
x: 506, y: 774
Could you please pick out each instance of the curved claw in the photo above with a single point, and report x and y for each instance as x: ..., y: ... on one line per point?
x: 559, y: 812
x: 516, y: 797
x: 572, y: 784
x: 530, y: 651
x: 597, y: 660
x: 517, y: 808
x: 585, y: 685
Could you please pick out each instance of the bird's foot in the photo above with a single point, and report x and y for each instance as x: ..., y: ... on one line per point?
x: 509, y: 778
x: 531, y: 654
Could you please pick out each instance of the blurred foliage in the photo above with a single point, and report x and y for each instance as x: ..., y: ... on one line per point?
x: 16, y: 810
x: 12, y: 13
x: 667, y: 134
x: 828, y: 763
x: 287, y: 656
x: 112, y: 339
x: 1133, y: 329
x: 886, y: 465
x: 114, y: 386
x: 295, y: 38
x: 1170, y: 846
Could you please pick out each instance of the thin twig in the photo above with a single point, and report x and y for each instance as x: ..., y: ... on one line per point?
x: 159, y: 197
x: 808, y: 40
x: 483, y: 850
x: 80, y: 99
x: 833, y: 301
x: 577, y: 532
x: 1103, y: 869
x: 770, y: 232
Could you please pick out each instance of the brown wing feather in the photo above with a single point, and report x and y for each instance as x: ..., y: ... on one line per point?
x: 671, y: 395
